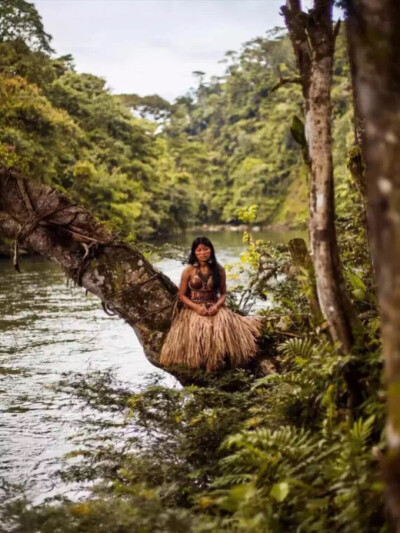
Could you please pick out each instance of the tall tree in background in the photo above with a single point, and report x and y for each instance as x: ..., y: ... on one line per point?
x: 375, y: 48
x: 313, y: 38
x: 356, y: 156
x: 21, y: 20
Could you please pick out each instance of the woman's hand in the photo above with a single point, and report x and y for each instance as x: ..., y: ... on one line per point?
x: 213, y: 310
x: 201, y: 310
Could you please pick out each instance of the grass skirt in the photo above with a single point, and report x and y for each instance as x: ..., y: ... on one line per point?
x: 207, y: 341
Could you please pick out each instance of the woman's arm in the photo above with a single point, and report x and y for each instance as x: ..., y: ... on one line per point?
x: 183, y: 289
x: 222, y: 291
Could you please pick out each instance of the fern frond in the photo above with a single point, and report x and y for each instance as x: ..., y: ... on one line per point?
x: 297, y: 348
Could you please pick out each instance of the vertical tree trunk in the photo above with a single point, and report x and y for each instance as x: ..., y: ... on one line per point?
x: 313, y: 40
x: 355, y: 161
x: 376, y: 46
x: 355, y: 156
x: 302, y: 260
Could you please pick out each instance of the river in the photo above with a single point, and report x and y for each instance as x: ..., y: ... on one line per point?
x: 49, y: 327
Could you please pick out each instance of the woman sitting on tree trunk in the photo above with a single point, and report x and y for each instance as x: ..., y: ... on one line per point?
x: 206, y: 334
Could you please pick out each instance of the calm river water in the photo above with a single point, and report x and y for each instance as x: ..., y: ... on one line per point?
x: 48, y: 328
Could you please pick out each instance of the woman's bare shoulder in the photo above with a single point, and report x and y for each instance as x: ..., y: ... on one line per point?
x: 188, y: 270
x: 221, y: 269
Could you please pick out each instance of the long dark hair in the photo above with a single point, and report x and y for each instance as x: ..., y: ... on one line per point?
x: 214, y: 266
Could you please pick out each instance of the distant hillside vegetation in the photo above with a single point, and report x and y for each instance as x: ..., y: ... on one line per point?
x: 231, y: 136
x: 149, y: 167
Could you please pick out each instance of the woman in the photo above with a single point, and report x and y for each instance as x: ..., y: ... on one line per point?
x: 206, y: 333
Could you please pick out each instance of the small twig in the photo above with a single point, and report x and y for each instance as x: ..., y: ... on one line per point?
x: 16, y: 256
x: 87, y: 250
x: 80, y: 268
x: 285, y: 81
x: 77, y: 233
x: 289, y: 334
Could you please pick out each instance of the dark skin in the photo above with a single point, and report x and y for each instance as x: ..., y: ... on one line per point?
x: 203, y: 254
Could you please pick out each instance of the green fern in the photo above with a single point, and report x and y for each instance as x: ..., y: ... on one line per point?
x: 297, y: 349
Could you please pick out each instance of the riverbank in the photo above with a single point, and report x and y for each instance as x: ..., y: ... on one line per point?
x: 272, y: 232
x: 211, y: 228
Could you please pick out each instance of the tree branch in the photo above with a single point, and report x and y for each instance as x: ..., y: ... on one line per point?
x: 286, y: 81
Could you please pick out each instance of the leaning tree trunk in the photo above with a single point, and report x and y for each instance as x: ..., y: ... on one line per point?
x: 313, y: 39
x: 127, y: 284
x: 376, y: 46
x: 47, y: 222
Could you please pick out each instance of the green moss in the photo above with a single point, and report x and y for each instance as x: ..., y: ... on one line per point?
x: 294, y: 208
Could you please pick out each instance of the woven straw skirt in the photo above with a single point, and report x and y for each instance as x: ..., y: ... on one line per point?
x: 208, y: 341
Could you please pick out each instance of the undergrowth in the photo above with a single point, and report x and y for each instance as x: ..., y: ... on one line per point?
x: 287, y: 452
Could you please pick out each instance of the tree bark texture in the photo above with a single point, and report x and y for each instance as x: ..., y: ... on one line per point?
x: 359, y: 122
x: 46, y: 221
x: 302, y: 260
x: 355, y: 157
x: 313, y: 38
x: 375, y: 26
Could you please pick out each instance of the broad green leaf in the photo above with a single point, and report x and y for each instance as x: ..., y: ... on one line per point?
x: 280, y: 491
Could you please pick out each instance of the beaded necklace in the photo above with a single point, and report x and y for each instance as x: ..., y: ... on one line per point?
x: 204, y: 278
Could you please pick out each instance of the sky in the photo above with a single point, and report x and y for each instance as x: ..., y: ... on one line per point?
x: 153, y: 46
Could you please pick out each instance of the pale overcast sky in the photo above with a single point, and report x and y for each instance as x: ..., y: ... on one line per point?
x: 153, y: 46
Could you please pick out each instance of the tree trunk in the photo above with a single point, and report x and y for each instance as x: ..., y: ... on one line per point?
x: 126, y: 283
x: 302, y: 260
x: 376, y: 46
x: 355, y: 162
x: 48, y: 223
x: 355, y: 155
x: 313, y: 40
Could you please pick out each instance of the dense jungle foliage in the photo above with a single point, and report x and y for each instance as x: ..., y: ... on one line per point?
x: 232, y: 135
x: 148, y: 166
x: 297, y: 450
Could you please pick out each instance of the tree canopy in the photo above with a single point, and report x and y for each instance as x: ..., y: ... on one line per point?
x: 21, y: 20
x: 148, y: 166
